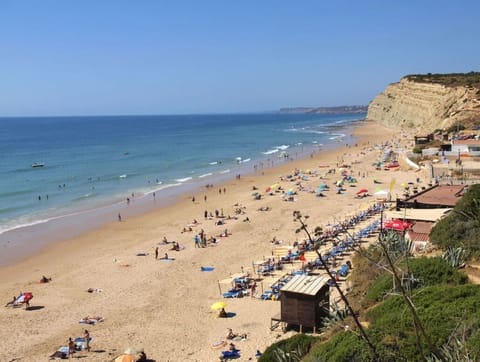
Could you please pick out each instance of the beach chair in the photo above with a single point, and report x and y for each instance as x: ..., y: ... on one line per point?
x: 266, y: 295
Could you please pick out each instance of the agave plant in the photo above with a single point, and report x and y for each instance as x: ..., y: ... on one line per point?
x: 409, y: 282
x: 281, y: 355
x: 455, y: 351
x: 335, y: 316
x: 456, y: 257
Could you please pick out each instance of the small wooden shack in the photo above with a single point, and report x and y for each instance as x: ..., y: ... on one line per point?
x: 305, y: 300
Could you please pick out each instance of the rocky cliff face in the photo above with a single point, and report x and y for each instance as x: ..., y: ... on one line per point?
x: 426, y: 106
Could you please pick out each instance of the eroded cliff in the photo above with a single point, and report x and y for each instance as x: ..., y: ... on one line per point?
x: 426, y: 105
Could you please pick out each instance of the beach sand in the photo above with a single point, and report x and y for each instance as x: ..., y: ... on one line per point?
x: 164, y: 306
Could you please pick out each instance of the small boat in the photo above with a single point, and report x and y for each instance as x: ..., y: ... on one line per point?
x: 36, y: 164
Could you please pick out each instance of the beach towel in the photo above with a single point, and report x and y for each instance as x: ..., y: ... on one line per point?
x: 207, y: 268
x: 218, y: 344
x: 231, y: 354
x: 61, y: 353
x: 81, y: 343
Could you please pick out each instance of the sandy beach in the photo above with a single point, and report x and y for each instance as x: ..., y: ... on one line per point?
x: 164, y: 306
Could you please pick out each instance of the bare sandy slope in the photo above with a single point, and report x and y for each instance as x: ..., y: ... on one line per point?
x: 162, y: 306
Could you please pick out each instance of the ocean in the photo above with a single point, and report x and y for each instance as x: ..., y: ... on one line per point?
x: 94, y: 162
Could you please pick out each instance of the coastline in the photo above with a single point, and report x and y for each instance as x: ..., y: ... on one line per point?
x: 17, y: 243
x: 164, y: 307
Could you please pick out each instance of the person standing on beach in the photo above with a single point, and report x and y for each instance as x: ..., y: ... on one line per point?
x: 193, y: 199
x: 156, y: 253
x: 86, y: 335
x: 71, y: 347
x: 119, y: 217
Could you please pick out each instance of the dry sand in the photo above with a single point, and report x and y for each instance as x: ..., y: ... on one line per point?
x: 164, y: 307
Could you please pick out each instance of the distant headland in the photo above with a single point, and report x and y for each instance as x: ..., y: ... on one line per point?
x: 326, y: 110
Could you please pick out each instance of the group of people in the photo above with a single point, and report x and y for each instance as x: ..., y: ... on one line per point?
x: 72, y: 346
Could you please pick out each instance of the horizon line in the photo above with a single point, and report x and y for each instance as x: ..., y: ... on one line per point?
x: 174, y: 114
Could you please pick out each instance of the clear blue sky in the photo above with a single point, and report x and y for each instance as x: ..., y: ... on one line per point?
x: 91, y: 57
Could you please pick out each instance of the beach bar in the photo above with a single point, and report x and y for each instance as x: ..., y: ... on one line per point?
x: 305, y: 300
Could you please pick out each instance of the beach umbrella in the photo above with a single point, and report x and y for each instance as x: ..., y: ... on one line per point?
x: 362, y: 191
x: 398, y: 225
x: 218, y: 305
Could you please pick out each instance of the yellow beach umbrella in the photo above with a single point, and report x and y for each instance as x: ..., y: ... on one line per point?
x: 218, y: 305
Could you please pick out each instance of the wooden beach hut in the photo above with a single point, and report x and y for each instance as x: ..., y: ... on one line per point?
x: 305, y: 300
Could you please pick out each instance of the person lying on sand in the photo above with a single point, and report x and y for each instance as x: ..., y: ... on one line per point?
x: 91, y: 320
x: 45, y: 279
x: 12, y: 302
x: 231, y: 335
x: 224, y: 234
x: 176, y: 246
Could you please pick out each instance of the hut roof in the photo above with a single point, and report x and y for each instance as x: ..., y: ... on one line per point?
x: 304, y: 284
x: 418, y: 214
x: 444, y: 195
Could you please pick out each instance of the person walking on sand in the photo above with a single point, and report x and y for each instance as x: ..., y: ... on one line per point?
x: 119, y: 217
x: 156, y: 252
x: 193, y: 199
x: 86, y: 335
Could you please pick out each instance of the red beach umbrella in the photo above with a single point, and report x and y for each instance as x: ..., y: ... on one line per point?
x: 398, y: 225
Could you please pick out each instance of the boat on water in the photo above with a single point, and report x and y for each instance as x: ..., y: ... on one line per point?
x: 37, y: 164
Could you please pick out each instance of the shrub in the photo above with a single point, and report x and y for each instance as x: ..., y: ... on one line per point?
x: 299, y: 342
x: 461, y: 228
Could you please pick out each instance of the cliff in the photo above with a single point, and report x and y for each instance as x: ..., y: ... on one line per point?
x: 429, y: 102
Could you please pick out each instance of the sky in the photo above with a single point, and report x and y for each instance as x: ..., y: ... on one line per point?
x: 115, y: 57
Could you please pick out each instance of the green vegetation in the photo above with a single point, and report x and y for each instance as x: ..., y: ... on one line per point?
x: 461, y: 228
x: 296, y: 346
x: 413, y: 309
x: 471, y: 79
x: 447, y: 305
x: 417, y: 149
x: 444, y: 301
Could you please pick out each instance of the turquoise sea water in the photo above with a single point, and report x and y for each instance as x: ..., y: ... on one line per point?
x: 91, y: 162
